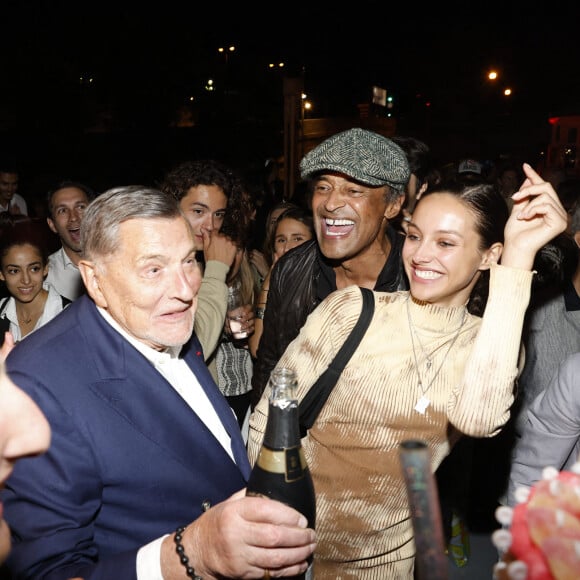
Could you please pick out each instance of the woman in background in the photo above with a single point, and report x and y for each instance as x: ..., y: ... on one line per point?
x: 231, y: 363
x: 232, y: 359
x: 292, y: 227
x: 262, y: 260
x: 23, y: 268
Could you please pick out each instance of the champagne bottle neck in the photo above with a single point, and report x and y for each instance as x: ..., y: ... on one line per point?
x: 283, y: 389
x: 282, y: 429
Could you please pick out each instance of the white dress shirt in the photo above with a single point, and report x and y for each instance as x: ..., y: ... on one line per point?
x: 16, y: 201
x: 52, y: 307
x: 182, y: 379
x: 64, y: 276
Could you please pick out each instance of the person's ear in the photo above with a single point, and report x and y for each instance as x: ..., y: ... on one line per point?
x: 89, y: 274
x: 51, y: 225
x: 491, y: 256
x: 393, y: 208
x: 577, y: 238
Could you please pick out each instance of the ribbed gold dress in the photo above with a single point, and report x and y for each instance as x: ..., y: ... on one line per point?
x: 363, y: 520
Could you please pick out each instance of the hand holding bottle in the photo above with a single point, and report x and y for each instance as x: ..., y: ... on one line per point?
x: 281, y: 471
x: 243, y: 537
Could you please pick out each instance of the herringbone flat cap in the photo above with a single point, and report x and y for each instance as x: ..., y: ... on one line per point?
x: 363, y: 155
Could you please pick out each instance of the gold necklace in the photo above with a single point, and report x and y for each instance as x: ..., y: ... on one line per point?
x: 27, y: 320
x: 36, y: 315
x: 423, y: 402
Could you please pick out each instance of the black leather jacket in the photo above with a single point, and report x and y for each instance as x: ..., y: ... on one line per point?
x: 300, y: 280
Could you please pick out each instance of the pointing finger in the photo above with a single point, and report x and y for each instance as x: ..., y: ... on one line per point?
x: 531, y: 175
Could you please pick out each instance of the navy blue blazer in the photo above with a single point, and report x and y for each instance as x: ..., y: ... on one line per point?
x: 128, y: 462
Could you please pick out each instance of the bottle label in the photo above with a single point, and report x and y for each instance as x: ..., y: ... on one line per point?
x: 290, y: 462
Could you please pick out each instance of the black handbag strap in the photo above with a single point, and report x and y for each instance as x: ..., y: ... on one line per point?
x: 315, y: 398
x: 4, y: 322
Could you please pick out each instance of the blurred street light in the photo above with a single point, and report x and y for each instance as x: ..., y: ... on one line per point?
x: 305, y: 106
x: 226, y: 51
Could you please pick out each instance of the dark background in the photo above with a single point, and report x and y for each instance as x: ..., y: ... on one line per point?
x: 101, y: 91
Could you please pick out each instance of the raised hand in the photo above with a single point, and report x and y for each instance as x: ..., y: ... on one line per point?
x: 537, y: 217
x: 218, y: 247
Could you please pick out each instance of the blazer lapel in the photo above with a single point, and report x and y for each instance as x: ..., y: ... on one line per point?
x: 137, y: 391
x: 193, y: 355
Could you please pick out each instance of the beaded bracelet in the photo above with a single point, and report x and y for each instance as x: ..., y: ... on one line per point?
x: 181, y: 553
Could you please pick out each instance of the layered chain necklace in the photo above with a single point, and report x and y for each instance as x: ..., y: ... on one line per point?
x: 423, y: 402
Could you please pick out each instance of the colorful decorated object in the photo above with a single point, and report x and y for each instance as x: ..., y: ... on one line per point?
x: 540, y: 539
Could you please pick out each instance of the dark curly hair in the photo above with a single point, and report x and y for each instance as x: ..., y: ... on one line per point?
x: 179, y: 180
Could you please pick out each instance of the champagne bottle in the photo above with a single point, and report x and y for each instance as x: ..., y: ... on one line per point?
x: 280, y: 471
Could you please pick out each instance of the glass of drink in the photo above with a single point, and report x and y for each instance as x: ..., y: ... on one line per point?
x: 235, y: 319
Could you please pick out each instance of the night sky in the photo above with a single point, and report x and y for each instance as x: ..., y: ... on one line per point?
x: 145, y: 61
x: 168, y: 47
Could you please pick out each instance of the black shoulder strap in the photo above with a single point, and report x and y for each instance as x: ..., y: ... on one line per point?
x: 4, y: 322
x: 315, y: 398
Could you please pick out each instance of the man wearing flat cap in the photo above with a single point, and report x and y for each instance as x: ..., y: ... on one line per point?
x: 357, y: 180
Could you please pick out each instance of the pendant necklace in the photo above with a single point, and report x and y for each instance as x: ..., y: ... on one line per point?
x: 31, y: 316
x: 27, y: 320
x: 423, y: 402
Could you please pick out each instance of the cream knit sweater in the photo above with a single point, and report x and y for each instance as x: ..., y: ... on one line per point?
x: 363, y: 519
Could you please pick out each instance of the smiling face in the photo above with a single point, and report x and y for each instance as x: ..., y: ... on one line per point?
x: 204, y: 207
x: 150, y: 284
x: 274, y: 215
x: 289, y: 234
x: 67, y: 208
x: 442, y: 253
x: 350, y: 218
x: 24, y: 431
x: 23, y: 270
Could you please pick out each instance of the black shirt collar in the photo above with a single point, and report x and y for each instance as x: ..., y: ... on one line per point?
x: 388, y: 280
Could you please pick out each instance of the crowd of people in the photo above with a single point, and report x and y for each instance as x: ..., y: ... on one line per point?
x: 135, y: 396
